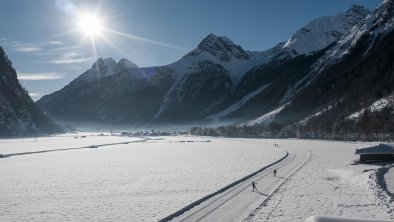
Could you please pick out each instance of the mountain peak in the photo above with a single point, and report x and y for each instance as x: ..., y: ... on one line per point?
x: 4, y: 56
x: 357, y: 11
x: 103, y: 67
x: 222, y: 48
x: 126, y: 64
x: 104, y: 62
x: 212, y: 41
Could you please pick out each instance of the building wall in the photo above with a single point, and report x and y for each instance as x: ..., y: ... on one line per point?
x: 376, y: 157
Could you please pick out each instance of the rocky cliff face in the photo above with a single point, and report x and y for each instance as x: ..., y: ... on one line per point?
x: 19, y: 115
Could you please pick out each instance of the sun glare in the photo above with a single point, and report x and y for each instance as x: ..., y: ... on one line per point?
x: 90, y: 24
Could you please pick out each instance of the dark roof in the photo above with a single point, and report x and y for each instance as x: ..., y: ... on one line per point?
x: 377, y: 149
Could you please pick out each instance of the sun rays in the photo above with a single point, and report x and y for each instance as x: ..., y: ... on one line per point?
x: 95, y: 27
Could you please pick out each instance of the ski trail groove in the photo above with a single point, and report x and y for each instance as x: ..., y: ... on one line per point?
x: 74, y: 148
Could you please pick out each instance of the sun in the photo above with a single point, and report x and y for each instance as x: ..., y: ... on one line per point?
x: 90, y: 24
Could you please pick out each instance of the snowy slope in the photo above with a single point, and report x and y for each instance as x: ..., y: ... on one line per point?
x: 216, y: 117
x: 267, y: 117
x: 374, y: 27
x: 323, y: 31
x: 305, y: 120
x: 378, y: 105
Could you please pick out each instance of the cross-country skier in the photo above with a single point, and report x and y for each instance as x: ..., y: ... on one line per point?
x: 254, y: 186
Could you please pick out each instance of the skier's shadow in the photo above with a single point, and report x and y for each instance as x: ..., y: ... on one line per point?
x: 261, y: 193
x: 281, y: 177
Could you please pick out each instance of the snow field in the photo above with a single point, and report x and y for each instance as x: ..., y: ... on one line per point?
x: 129, y: 182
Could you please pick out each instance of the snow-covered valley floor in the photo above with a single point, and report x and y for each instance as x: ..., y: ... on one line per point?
x: 142, y: 181
x: 146, y: 180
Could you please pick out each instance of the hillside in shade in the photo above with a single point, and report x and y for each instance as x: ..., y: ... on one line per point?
x: 19, y: 115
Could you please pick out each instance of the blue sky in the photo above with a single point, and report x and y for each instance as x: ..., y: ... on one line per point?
x: 40, y: 38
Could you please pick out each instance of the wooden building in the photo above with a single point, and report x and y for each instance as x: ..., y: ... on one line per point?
x: 377, y: 153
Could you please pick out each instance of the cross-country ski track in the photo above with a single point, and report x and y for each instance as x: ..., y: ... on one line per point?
x: 237, y: 202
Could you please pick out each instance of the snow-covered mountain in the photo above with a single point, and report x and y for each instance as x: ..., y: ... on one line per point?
x: 19, y: 116
x: 371, y: 30
x: 355, y: 73
x: 324, y: 31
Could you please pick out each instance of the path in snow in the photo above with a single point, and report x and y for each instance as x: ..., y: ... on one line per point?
x: 239, y: 201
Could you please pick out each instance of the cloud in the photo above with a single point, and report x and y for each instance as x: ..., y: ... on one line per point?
x: 74, y: 60
x: 71, y: 57
x: 31, y: 94
x: 27, y: 49
x: 52, y: 52
x: 65, y: 55
x: 67, y: 7
x: 34, y: 96
x: 40, y: 76
x: 35, y: 47
x: 55, y: 43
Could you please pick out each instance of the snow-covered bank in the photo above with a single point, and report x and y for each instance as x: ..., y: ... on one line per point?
x: 389, y: 178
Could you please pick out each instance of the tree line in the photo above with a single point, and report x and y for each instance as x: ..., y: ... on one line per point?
x: 368, y: 126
